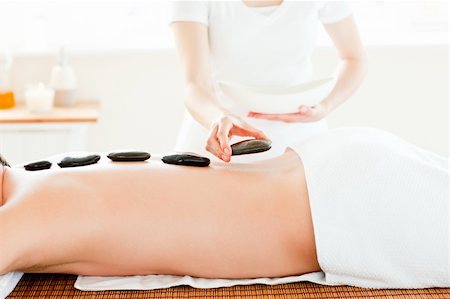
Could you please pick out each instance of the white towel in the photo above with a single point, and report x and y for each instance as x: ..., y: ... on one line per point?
x: 153, y: 282
x: 380, y: 211
x: 8, y: 282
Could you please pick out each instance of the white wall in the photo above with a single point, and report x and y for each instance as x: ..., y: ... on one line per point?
x: 406, y: 92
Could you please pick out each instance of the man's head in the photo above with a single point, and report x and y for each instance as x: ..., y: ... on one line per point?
x: 3, y: 161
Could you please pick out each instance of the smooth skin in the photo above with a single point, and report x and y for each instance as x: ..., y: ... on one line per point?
x: 200, y: 100
x: 138, y: 218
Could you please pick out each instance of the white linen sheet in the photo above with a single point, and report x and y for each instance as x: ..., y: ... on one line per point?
x: 380, y: 210
x: 8, y: 282
x: 153, y: 282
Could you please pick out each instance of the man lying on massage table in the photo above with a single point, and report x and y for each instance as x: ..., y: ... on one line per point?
x: 378, y: 204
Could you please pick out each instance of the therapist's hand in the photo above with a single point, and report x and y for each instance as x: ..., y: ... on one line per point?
x: 304, y: 114
x: 223, y: 129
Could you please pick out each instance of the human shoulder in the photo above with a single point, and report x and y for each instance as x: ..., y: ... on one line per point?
x: 190, y: 11
x: 332, y: 11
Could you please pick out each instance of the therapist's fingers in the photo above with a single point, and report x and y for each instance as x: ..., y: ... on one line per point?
x: 305, y: 110
x: 222, y: 131
x: 305, y: 114
x: 244, y: 129
x: 289, y: 117
x: 223, y: 135
x: 212, y: 144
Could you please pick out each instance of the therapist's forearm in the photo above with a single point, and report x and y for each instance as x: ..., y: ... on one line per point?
x: 350, y: 76
x: 202, y: 104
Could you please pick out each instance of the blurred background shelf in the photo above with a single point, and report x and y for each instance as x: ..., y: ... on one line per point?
x: 26, y: 136
x: 81, y: 112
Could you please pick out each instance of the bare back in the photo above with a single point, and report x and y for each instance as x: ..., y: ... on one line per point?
x: 228, y: 221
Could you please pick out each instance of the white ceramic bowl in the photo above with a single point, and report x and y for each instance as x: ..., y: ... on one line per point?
x: 277, y: 99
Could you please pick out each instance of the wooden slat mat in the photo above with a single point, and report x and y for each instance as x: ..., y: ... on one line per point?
x: 61, y: 286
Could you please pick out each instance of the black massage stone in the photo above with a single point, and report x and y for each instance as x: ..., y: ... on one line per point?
x: 250, y: 146
x: 79, y: 161
x: 40, y: 165
x: 186, y: 159
x: 128, y: 156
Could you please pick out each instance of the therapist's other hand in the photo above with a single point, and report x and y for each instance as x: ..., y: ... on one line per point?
x: 223, y: 129
x: 304, y: 114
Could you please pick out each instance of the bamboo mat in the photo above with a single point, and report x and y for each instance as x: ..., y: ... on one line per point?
x: 61, y: 286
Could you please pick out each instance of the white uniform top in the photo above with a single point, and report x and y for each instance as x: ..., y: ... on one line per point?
x: 258, y: 47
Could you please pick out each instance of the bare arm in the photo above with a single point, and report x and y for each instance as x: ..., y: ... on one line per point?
x: 352, y: 70
x: 193, y: 48
x: 353, y: 66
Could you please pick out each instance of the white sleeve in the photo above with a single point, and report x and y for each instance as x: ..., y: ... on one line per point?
x: 334, y: 11
x: 190, y: 11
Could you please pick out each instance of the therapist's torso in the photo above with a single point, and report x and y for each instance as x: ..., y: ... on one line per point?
x: 259, y: 47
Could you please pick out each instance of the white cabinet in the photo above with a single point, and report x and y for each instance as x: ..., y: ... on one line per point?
x: 26, y: 137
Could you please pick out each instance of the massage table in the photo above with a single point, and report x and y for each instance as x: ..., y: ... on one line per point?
x: 61, y: 286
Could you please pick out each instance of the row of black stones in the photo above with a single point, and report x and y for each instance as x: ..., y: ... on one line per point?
x: 187, y: 159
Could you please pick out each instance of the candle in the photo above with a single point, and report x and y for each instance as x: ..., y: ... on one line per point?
x: 39, y: 98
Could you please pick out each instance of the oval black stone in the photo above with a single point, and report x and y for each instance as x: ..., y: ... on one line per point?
x: 250, y: 146
x: 186, y: 159
x: 39, y: 165
x: 79, y: 161
x: 128, y: 156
